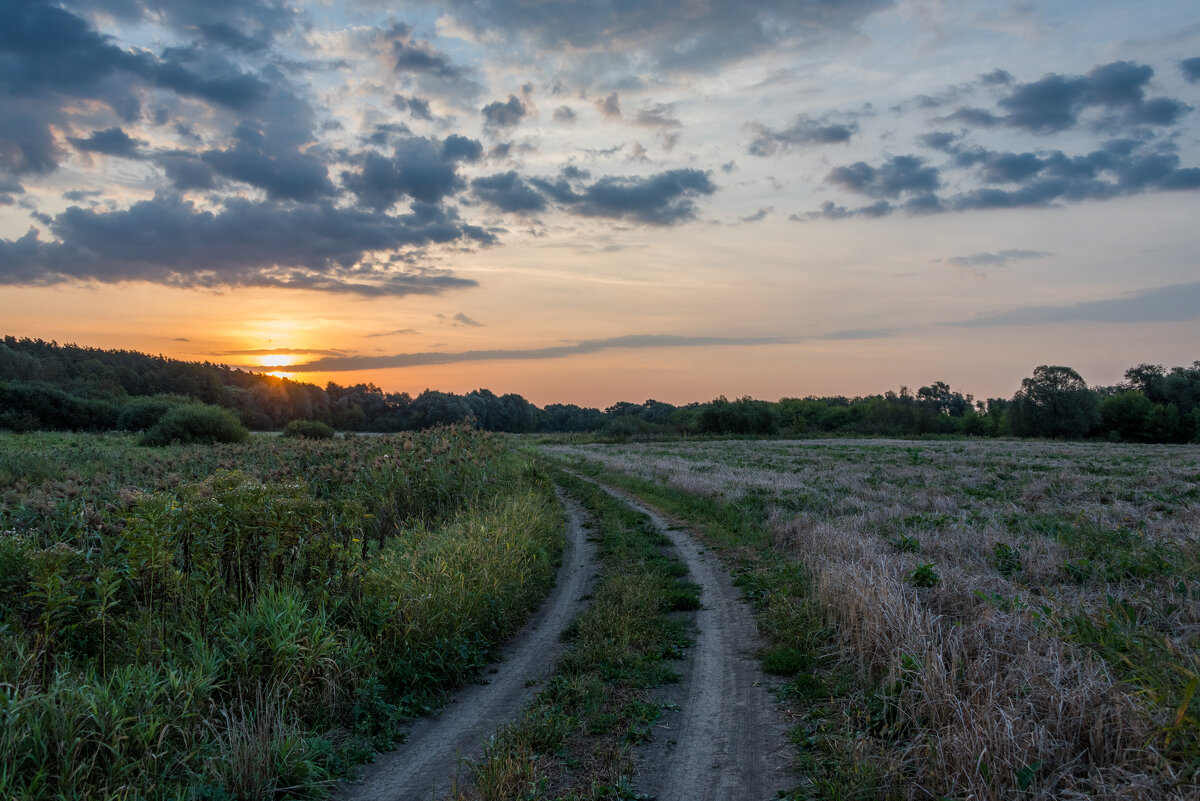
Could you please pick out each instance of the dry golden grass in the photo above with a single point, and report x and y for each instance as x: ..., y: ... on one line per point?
x: 1058, y: 652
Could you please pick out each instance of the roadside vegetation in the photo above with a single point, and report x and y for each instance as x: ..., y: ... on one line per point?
x: 573, y: 741
x: 960, y: 619
x: 249, y: 620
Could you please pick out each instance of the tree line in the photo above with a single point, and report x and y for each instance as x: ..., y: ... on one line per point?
x: 44, y: 385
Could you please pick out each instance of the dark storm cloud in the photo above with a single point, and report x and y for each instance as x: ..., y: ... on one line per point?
x: 419, y: 168
x: 509, y: 192
x: 110, y: 142
x: 169, y: 241
x: 282, y: 171
x: 1055, y: 102
x: 504, y: 115
x: 804, y: 131
x: 670, y: 35
x: 1190, y: 67
x: 896, y: 176
x: 636, y: 341
x: 1162, y: 304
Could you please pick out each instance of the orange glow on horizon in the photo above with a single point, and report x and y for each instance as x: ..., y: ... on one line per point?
x: 276, y: 360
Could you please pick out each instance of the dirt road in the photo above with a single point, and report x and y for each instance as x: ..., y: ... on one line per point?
x: 727, y: 741
x: 424, y: 766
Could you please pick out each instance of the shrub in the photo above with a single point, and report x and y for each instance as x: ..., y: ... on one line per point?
x: 195, y: 423
x: 923, y: 575
x: 308, y: 429
x: 143, y: 412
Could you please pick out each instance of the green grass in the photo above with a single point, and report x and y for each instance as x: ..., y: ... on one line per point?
x: 572, y: 742
x: 250, y: 620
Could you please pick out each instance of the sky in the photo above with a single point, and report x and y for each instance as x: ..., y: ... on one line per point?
x: 588, y: 202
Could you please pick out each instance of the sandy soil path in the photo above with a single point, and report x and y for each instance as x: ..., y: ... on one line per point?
x: 728, y: 740
x: 424, y: 766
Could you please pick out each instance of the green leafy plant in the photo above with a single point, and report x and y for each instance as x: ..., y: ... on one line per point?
x: 923, y: 575
x: 195, y: 423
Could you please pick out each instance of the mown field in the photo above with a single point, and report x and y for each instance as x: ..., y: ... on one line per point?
x: 248, y: 621
x: 985, y: 620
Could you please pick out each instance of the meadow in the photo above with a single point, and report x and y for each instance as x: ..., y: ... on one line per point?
x: 959, y: 619
x: 249, y: 620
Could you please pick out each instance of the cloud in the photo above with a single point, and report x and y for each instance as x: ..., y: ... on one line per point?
x: 284, y: 352
x: 759, y: 215
x: 272, y: 164
x: 664, y: 35
x: 896, y: 176
x: 1174, y: 303
x: 663, y: 199
x: 979, y: 262
x: 186, y: 171
x: 418, y: 61
x: 415, y: 106
x: 169, y: 241
x: 565, y: 114
x: 397, y: 332
x: 1055, y: 102
x: 803, y: 132
x: 509, y: 192
x: 420, y: 168
x: 1120, y: 167
x: 410, y: 54
x: 609, y: 107
x: 657, y: 115
x: 50, y: 59
x: 460, y: 320
x: 504, y: 115
x: 110, y: 142
x: 1190, y: 67
x: 636, y: 341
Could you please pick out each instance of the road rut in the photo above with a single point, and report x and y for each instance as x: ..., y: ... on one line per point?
x: 425, y: 765
x: 728, y: 740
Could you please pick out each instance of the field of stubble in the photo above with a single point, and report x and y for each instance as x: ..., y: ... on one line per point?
x: 1022, y: 618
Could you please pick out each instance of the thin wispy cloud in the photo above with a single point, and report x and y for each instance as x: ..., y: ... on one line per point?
x: 631, y: 342
x: 1173, y: 303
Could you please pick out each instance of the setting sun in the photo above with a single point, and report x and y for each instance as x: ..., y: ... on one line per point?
x: 276, y: 360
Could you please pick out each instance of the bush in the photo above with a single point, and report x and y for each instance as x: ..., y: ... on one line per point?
x: 308, y: 429
x: 143, y: 412
x: 195, y: 423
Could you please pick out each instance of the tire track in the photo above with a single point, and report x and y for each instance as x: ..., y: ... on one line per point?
x: 425, y: 765
x: 728, y: 741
